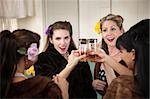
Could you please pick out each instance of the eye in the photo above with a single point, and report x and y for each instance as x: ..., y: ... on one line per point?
x: 113, y: 29
x: 57, y: 38
x: 66, y: 37
x: 104, y: 30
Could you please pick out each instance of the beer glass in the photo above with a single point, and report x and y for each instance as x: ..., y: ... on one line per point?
x: 83, y: 47
x: 92, y: 46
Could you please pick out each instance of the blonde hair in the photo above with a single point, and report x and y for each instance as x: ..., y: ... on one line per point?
x: 116, y: 18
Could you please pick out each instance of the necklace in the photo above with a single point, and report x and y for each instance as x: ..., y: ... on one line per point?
x: 20, y: 75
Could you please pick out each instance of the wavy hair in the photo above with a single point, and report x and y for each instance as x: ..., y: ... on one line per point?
x: 119, y: 22
x: 59, y: 25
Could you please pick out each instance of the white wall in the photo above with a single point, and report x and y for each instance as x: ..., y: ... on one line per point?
x: 35, y: 23
x: 62, y: 10
x: 90, y: 13
x: 83, y: 15
x: 131, y: 10
x: 149, y: 8
x: 92, y: 10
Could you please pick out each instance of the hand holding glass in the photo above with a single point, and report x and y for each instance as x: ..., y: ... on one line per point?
x: 86, y: 46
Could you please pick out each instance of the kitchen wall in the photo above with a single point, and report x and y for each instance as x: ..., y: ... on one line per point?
x: 83, y: 15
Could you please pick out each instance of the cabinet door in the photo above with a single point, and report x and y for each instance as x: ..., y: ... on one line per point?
x: 90, y: 12
x: 131, y: 10
x: 62, y: 10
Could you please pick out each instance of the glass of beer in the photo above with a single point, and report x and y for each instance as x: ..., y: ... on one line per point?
x: 83, y: 47
x: 92, y: 46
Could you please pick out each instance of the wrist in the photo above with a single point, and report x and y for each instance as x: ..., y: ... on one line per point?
x: 106, y: 58
x: 65, y: 94
x: 70, y: 66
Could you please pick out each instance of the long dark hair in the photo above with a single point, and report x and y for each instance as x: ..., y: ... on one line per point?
x: 60, y: 25
x: 137, y: 38
x: 10, y: 42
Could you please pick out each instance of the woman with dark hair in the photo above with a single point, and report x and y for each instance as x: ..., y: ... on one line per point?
x: 134, y: 48
x: 18, y: 51
x: 54, y: 60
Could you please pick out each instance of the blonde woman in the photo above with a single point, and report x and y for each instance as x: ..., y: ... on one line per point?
x: 111, y: 27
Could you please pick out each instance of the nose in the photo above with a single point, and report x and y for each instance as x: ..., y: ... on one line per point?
x: 110, y: 32
x: 62, y: 42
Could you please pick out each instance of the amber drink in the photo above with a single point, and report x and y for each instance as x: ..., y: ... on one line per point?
x: 92, y: 44
x: 83, y: 47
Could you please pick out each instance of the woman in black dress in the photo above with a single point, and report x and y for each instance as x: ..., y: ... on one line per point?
x: 54, y: 60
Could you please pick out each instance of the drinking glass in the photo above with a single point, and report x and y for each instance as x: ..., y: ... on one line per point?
x: 92, y: 46
x: 83, y: 47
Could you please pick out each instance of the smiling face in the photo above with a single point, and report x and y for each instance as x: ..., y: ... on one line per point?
x: 110, y: 32
x: 61, y: 40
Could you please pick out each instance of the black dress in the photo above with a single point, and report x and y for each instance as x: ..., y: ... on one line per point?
x: 100, y: 74
x: 51, y: 62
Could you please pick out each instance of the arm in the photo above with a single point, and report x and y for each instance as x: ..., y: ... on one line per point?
x: 119, y: 68
x: 108, y: 61
x: 98, y: 84
x: 110, y: 73
x: 66, y: 71
x: 49, y: 65
x: 63, y: 85
x: 73, y: 60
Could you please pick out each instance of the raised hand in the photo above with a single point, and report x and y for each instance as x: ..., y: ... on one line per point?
x: 98, y: 84
x: 100, y: 55
x: 73, y: 60
x: 75, y: 57
x: 63, y: 85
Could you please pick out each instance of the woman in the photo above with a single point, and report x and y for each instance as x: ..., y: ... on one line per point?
x: 134, y: 47
x: 54, y: 60
x: 111, y: 27
x: 19, y: 50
